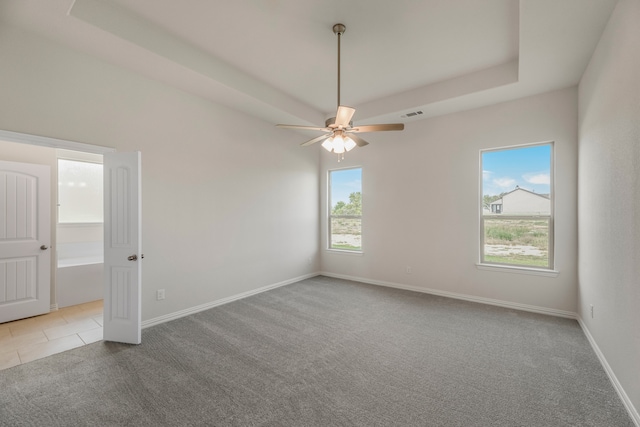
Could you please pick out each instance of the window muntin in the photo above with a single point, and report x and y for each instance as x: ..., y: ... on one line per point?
x: 345, y: 209
x: 79, y: 192
x: 516, y: 224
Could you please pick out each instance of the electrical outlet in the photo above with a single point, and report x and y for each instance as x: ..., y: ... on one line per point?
x: 407, y: 270
x: 591, y: 305
x: 160, y: 294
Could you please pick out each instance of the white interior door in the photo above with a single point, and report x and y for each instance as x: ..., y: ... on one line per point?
x: 122, y: 248
x: 25, y: 238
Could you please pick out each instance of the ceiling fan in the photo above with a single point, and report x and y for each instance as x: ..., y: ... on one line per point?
x: 339, y: 133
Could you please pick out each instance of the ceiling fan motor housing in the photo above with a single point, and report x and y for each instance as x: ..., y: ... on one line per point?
x: 332, y: 120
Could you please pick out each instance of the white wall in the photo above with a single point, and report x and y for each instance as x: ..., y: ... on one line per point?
x: 421, y: 202
x: 79, y: 233
x: 230, y: 203
x: 609, y: 196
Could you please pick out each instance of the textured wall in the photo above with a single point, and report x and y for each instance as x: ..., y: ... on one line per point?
x: 230, y: 203
x: 609, y: 196
x: 421, y: 202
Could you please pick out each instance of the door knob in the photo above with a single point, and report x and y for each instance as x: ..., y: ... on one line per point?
x: 132, y: 257
x: 44, y: 247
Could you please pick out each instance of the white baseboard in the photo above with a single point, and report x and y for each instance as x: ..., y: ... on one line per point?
x: 202, y: 307
x: 465, y: 297
x: 633, y: 412
x: 53, y: 307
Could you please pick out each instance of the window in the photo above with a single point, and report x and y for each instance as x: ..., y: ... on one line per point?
x: 79, y: 192
x: 345, y: 209
x: 516, y: 225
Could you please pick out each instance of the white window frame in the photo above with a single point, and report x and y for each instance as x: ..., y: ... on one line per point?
x: 551, y: 217
x: 330, y: 216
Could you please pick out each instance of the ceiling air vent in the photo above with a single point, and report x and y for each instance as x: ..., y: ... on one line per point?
x: 411, y: 114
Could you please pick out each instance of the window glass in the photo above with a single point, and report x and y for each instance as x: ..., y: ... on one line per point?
x: 79, y: 192
x: 517, y: 206
x: 345, y: 209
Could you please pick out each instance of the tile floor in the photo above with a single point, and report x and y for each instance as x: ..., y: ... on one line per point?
x: 22, y: 341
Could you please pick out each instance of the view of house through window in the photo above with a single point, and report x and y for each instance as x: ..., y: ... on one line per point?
x: 517, y: 205
x: 345, y: 209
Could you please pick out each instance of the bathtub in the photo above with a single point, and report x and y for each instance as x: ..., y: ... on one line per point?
x: 79, y: 274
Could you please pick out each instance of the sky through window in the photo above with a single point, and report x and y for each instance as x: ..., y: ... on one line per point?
x: 343, y: 183
x: 526, y: 167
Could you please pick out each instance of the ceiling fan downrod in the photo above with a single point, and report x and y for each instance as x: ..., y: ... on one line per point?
x: 339, y: 30
x: 339, y: 135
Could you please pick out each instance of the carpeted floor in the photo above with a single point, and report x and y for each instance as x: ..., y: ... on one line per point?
x: 326, y: 352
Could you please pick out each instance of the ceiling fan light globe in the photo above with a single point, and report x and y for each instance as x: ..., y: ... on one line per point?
x: 328, y: 144
x: 338, y: 144
x: 349, y: 144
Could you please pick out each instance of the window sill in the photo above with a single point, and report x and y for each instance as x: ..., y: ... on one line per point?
x: 346, y: 252
x: 518, y: 270
x: 79, y: 224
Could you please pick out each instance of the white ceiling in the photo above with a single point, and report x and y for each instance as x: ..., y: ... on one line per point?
x: 276, y: 59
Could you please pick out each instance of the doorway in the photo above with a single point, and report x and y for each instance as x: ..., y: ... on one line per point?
x: 60, y: 329
x: 79, y: 228
x: 76, y: 237
x: 122, y: 276
x: 31, y: 144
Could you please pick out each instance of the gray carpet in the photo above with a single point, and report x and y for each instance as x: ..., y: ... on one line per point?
x: 326, y: 352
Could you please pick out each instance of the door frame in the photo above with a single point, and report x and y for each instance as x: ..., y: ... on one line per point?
x: 43, y: 141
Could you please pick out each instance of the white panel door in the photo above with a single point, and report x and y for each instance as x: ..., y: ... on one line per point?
x: 25, y: 237
x: 122, y: 248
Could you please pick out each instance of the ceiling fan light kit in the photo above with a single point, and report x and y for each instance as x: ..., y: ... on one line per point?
x: 339, y: 132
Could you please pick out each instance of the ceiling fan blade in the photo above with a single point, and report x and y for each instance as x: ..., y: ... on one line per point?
x: 359, y: 141
x: 316, y: 139
x: 303, y: 127
x: 378, y: 128
x: 344, y: 115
